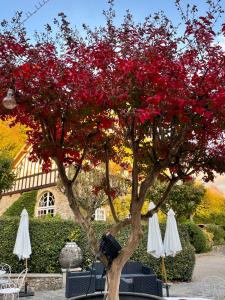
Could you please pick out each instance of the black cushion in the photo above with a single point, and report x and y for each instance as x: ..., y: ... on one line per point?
x: 133, y: 267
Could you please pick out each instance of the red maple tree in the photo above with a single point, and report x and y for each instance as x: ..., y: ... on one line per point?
x: 141, y: 86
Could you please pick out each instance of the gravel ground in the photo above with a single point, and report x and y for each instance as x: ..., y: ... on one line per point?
x: 207, y: 264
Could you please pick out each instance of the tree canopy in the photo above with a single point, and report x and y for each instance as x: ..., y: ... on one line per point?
x: 184, y: 198
x: 145, y: 87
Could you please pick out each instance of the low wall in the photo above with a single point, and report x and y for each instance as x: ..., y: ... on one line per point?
x: 42, y: 282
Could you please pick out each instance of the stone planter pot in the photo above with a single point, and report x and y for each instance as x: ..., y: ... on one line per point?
x: 122, y: 296
x: 70, y: 256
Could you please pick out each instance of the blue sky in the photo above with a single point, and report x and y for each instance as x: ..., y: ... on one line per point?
x: 89, y: 11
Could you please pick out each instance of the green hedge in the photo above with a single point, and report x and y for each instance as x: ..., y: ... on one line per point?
x: 26, y: 200
x: 198, y: 238
x: 49, y: 236
x: 179, y: 268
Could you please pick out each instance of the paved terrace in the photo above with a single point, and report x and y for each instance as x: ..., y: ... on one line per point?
x: 208, y: 264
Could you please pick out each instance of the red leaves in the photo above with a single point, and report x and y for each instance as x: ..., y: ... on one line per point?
x: 143, y: 115
x: 146, y: 114
x: 223, y: 28
x: 131, y: 83
x: 206, y: 20
x: 154, y: 99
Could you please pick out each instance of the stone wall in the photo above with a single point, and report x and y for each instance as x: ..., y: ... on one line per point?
x: 43, y: 282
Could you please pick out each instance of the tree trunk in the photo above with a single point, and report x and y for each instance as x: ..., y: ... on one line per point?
x: 113, y: 281
x: 114, y: 273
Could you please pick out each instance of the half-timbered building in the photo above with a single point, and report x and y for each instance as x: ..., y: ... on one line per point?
x: 29, y: 176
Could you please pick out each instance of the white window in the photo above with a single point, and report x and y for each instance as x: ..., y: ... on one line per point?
x: 100, y: 214
x: 46, y: 204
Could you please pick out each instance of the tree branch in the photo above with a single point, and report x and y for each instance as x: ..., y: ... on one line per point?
x: 63, y: 131
x: 115, y: 217
x: 162, y: 200
x: 80, y: 218
x: 134, y: 192
x: 120, y: 225
x: 78, y: 168
x: 149, y: 181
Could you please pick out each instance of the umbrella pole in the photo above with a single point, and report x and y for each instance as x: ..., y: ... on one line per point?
x: 165, y: 276
x: 26, y: 292
x: 25, y: 287
x: 164, y: 270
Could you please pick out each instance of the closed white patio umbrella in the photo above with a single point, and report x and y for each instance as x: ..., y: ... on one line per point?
x: 172, y: 244
x: 155, y: 244
x: 22, y: 246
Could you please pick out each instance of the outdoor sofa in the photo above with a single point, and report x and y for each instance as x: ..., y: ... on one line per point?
x: 135, y: 278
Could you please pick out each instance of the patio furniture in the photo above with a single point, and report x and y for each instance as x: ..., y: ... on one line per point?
x: 126, y: 285
x: 213, y: 287
x: 13, y: 288
x: 5, y: 274
x: 135, y: 277
x: 147, y: 284
x: 79, y: 283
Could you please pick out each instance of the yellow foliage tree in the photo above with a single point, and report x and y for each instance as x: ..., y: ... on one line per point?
x: 122, y: 206
x: 212, y: 203
x: 12, y: 139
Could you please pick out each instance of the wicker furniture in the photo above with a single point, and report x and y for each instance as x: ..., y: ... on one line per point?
x: 79, y: 283
x: 135, y: 278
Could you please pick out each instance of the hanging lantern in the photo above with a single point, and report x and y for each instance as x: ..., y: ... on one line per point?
x: 9, y: 101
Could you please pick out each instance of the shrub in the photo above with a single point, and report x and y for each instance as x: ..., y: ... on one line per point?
x: 218, y: 233
x: 211, y: 218
x: 26, y: 200
x: 217, y: 218
x: 48, y: 237
x: 198, y: 238
x: 178, y: 268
